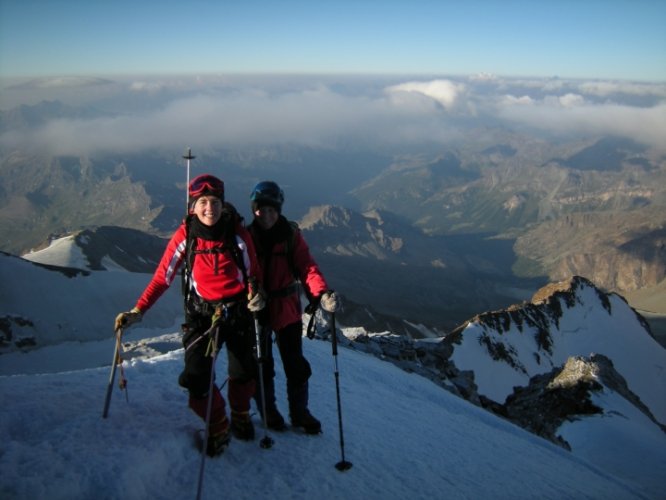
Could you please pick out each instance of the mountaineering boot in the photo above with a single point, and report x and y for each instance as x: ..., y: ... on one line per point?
x: 241, y: 425
x: 219, y: 438
x: 218, y: 430
x: 274, y: 420
x: 307, y: 422
x: 300, y: 416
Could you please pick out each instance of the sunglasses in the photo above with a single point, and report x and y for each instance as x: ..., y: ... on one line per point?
x: 206, y: 184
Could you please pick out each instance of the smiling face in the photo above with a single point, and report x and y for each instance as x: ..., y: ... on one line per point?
x: 266, y: 216
x: 208, y: 209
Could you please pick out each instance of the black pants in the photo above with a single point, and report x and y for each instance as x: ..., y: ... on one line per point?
x: 296, y: 368
x: 236, y: 329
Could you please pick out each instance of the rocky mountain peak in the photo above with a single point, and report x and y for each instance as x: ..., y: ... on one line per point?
x: 326, y: 216
x: 341, y: 231
x: 568, y: 354
x: 566, y: 288
x: 546, y: 308
x: 567, y: 393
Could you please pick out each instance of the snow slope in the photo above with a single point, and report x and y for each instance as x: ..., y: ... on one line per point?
x: 406, y: 438
x: 75, y: 307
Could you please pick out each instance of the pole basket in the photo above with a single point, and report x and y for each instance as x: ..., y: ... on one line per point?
x: 343, y: 465
x: 266, y: 442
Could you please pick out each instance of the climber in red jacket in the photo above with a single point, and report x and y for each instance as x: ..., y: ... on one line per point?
x: 220, y: 262
x: 286, y: 264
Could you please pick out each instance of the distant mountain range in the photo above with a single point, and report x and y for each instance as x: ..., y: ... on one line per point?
x: 29, y: 117
x: 431, y: 236
x: 566, y: 204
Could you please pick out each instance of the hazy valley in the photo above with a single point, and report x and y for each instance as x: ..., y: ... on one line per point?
x: 429, y: 205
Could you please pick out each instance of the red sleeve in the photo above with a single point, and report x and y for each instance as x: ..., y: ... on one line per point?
x: 310, y: 274
x: 166, y: 272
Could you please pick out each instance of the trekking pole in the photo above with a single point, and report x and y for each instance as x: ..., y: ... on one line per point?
x: 209, y: 407
x: 267, y: 441
x: 188, y: 157
x: 343, y: 464
x: 114, y: 364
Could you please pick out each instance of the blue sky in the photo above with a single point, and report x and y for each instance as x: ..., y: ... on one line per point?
x: 612, y: 39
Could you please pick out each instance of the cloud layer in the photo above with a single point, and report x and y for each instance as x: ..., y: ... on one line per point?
x: 372, y: 113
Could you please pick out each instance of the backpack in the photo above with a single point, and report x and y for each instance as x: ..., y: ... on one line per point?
x: 313, y: 304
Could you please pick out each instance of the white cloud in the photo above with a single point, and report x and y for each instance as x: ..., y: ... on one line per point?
x: 522, y: 100
x: 484, y: 77
x: 445, y: 92
x: 316, y: 117
x: 604, y: 88
x: 62, y: 82
x: 146, y: 86
x: 551, y: 85
x: 571, y: 115
x: 216, y: 112
x: 571, y: 100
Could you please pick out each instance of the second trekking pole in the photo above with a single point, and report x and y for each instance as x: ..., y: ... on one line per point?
x: 267, y: 441
x: 209, y: 406
x: 343, y: 464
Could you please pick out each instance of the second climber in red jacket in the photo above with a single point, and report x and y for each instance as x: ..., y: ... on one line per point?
x: 285, y: 260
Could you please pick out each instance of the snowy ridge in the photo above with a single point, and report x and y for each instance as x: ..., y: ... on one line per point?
x: 575, y: 320
x: 62, y: 252
x: 41, y: 305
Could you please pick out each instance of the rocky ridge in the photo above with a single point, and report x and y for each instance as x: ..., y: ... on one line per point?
x: 551, y: 394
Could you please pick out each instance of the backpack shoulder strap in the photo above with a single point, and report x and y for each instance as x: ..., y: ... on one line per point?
x: 234, y: 220
x: 188, y: 260
x: 291, y: 244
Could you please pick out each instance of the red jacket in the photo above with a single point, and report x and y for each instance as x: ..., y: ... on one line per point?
x: 215, y: 275
x: 285, y: 308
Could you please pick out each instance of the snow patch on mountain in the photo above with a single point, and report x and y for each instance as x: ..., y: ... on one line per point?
x: 577, y: 320
x: 62, y: 252
x: 42, y: 304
